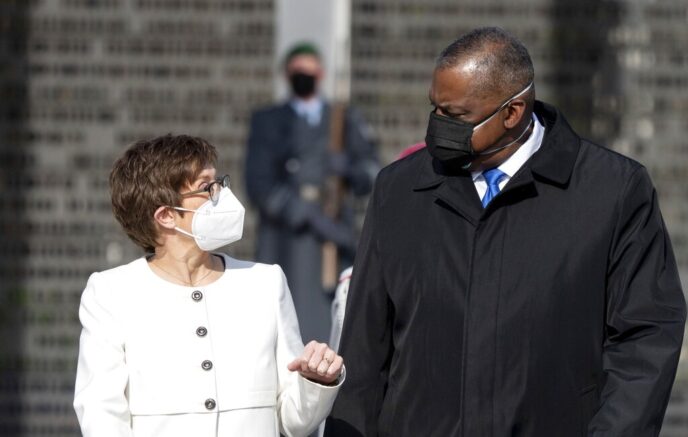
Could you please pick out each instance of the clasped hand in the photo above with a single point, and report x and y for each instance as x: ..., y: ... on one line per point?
x: 318, y: 363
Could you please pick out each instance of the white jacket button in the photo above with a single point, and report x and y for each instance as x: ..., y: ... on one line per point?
x: 207, y: 365
x: 201, y: 331
x: 196, y: 295
x: 210, y: 404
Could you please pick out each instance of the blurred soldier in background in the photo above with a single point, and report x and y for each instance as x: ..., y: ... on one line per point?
x: 290, y: 159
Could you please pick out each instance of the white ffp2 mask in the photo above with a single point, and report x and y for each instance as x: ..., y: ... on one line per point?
x: 216, y: 224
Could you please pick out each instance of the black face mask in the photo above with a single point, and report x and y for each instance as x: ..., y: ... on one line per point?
x: 449, y: 140
x: 303, y: 85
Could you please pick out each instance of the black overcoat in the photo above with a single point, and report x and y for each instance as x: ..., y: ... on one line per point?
x: 556, y: 311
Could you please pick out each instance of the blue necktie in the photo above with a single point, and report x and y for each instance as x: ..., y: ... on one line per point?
x: 492, y: 177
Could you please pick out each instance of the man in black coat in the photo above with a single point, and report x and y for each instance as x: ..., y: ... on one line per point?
x: 288, y: 163
x: 512, y: 279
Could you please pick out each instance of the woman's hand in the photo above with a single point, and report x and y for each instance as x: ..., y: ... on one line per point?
x: 318, y: 363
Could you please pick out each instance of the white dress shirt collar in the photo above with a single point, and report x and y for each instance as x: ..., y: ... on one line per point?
x: 310, y: 110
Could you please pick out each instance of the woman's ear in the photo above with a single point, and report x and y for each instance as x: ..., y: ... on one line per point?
x: 164, y: 217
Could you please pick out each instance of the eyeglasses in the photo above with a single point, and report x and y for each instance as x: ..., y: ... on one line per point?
x: 213, y: 189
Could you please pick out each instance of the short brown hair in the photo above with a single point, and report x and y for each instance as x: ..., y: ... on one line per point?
x: 150, y: 174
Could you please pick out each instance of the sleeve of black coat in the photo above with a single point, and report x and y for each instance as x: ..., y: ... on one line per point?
x: 366, y: 338
x: 266, y: 183
x: 644, y: 320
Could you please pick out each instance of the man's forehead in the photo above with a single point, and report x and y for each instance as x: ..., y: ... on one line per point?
x: 454, y: 85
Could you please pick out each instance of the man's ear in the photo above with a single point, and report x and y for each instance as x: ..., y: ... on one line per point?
x: 164, y: 217
x: 515, y: 112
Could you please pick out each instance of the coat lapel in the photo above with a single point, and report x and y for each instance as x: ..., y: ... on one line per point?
x: 454, y: 190
x: 552, y: 164
x: 557, y: 156
x: 520, y: 187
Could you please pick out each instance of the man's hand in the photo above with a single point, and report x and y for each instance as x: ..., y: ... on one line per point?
x: 318, y: 363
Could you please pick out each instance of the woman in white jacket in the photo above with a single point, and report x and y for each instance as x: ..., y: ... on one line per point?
x: 183, y: 341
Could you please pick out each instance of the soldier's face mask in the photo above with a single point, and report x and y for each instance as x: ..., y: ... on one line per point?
x: 302, y: 84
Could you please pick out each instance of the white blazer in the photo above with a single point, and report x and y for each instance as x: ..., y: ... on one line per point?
x: 160, y: 359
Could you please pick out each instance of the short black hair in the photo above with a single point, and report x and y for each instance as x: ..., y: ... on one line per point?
x: 302, y: 48
x: 503, y: 62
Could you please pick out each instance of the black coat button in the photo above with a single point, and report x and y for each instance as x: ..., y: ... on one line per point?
x: 207, y: 365
x: 196, y: 295
x: 210, y: 404
x: 201, y: 331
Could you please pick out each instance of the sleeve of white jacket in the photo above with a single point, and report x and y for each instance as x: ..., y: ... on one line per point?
x: 101, y: 377
x: 301, y: 404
